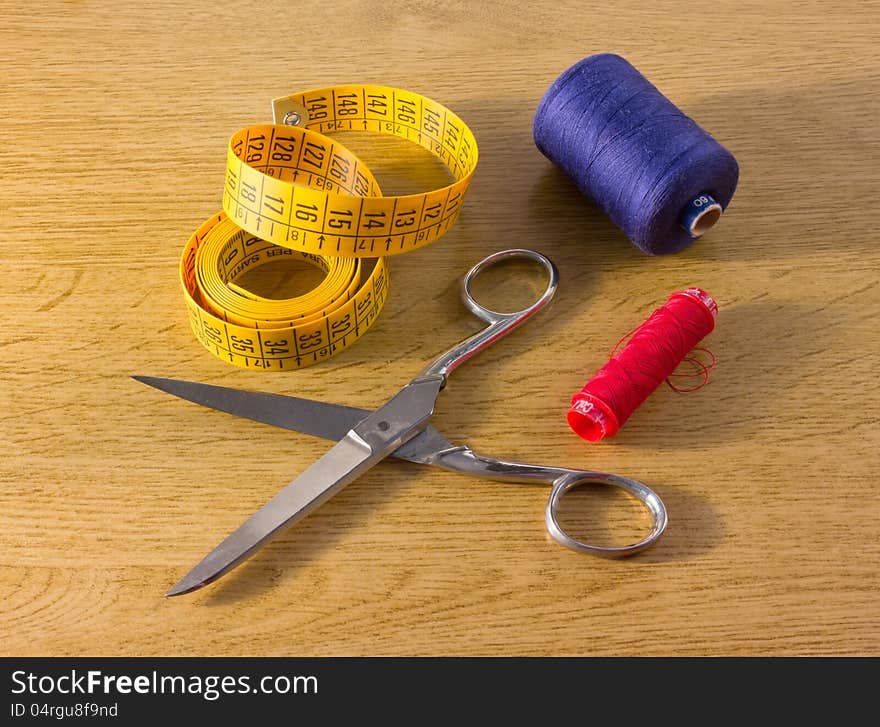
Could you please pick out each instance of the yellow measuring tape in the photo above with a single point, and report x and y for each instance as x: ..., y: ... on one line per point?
x: 292, y: 190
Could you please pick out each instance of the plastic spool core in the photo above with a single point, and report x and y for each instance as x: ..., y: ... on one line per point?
x: 700, y: 215
x: 591, y: 418
x: 705, y: 221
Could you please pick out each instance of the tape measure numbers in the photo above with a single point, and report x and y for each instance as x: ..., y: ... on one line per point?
x: 274, y: 335
x: 292, y: 190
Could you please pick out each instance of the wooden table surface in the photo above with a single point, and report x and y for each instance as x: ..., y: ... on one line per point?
x: 114, y: 125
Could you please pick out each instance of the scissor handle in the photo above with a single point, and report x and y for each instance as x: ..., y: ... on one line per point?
x: 500, y: 324
x: 464, y: 459
x: 648, y: 498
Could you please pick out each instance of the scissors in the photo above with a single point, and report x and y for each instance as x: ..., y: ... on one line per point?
x: 400, y: 429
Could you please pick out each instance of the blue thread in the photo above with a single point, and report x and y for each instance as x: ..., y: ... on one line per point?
x: 632, y: 151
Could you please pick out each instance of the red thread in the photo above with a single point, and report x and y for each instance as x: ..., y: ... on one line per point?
x: 703, y: 373
x: 650, y: 356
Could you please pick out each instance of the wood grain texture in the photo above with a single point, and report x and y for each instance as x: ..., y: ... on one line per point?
x: 114, y: 122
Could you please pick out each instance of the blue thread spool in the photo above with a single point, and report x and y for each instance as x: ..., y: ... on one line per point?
x: 660, y: 177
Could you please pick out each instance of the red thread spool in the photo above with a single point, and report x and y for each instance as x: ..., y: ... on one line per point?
x: 656, y: 348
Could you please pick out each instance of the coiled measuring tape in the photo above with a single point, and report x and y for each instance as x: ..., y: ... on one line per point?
x: 292, y: 190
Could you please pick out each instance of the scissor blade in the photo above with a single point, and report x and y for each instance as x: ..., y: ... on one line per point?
x: 328, y: 421
x: 345, y: 461
x: 315, y: 418
x: 373, y: 439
